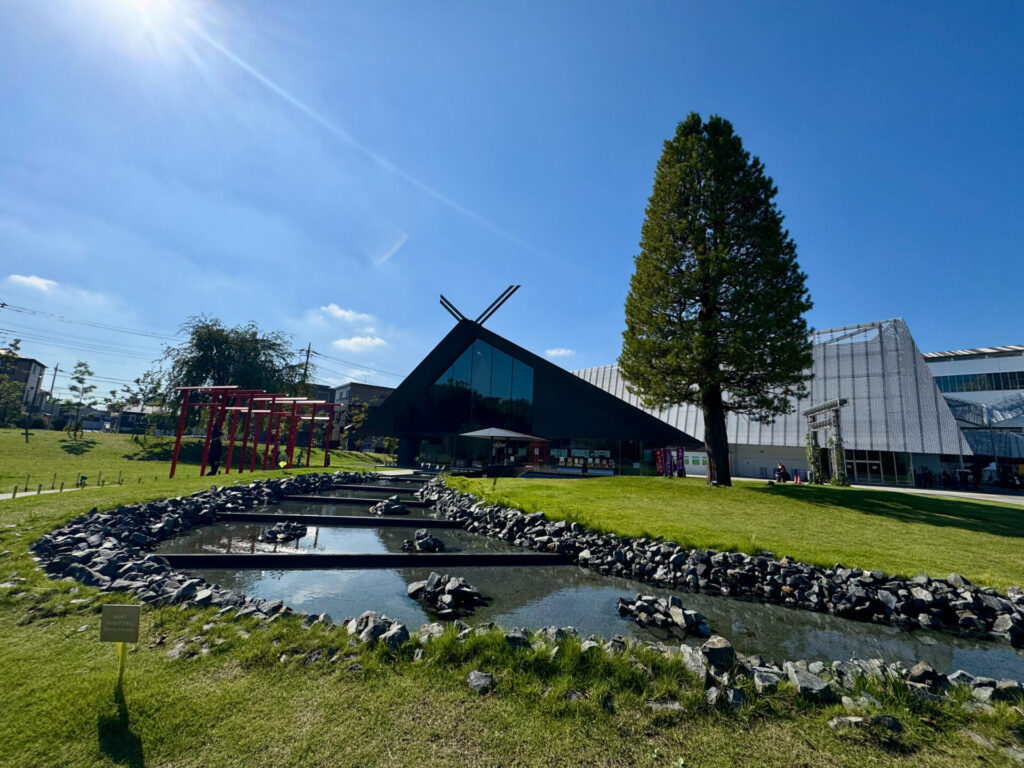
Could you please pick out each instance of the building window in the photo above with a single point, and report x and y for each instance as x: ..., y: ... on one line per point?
x: 999, y: 381
x: 484, y: 387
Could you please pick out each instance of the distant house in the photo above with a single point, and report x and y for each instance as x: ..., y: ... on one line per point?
x: 29, y: 371
x: 93, y: 419
x: 133, y: 418
x: 350, y: 395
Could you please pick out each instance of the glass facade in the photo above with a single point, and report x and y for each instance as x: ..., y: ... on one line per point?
x: 981, y: 382
x: 484, y: 387
x: 877, y: 467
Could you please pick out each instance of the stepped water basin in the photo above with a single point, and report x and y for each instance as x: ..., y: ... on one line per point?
x: 536, y: 596
x: 242, y: 538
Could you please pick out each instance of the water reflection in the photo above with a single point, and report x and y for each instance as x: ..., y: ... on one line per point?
x: 543, y: 595
x: 334, y: 510
x: 562, y: 595
x: 243, y: 538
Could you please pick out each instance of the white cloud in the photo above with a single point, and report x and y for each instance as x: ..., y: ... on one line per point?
x: 357, y: 374
x: 391, y: 251
x: 32, y: 281
x: 358, y: 343
x: 348, y: 315
x: 559, y: 352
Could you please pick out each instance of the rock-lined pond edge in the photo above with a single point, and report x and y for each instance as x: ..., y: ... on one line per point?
x: 107, y: 550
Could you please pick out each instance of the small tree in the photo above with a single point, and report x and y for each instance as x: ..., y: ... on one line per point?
x: 12, y: 392
x: 80, y: 389
x: 714, y: 315
x: 114, y: 403
x: 146, y: 392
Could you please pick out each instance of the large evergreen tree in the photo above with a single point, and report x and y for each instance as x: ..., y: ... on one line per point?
x: 714, y: 315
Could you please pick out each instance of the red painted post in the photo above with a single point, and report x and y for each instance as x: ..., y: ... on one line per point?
x: 277, y: 439
x: 270, y: 423
x: 255, y: 441
x: 214, y: 397
x: 177, y: 436
x: 312, y: 426
x: 327, y: 434
x: 292, y: 427
x: 245, y: 435
x: 231, y: 442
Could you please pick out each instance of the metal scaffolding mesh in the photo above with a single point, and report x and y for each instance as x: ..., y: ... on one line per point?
x: 893, y: 401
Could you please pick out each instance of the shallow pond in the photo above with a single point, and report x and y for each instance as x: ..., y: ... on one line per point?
x: 566, y: 595
x: 304, y: 508
x: 241, y: 538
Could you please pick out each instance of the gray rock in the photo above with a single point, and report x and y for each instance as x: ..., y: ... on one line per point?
x: 888, y: 722
x: 922, y: 673
x: 735, y: 698
x: 765, y: 682
x: 1008, y: 690
x: 693, y: 660
x: 396, y: 636
x: 808, y: 685
x: 373, y: 631
x: 517, y: 638
x: 415, y: 589
x: 957, y: 581
x: 481, y: 682
x: 176, y: 651
x: 664, y: 705
x: 846, y: 723
x: 719, y: 653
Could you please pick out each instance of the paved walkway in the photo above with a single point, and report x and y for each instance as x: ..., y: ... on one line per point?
x: 31, y: 492
x: 1002, y: 497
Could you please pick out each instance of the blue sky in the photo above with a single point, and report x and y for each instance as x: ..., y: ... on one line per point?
x: 328, y: 168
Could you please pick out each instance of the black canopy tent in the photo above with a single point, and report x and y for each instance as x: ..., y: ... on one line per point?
x: 496, y: 433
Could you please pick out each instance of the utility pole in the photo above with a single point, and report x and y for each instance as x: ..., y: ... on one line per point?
x: 305, y: 369
x: 53, y: 388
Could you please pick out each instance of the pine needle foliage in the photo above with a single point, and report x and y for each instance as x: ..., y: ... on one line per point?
x: 715, y: 311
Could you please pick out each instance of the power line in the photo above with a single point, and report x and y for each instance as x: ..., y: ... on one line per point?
x: 79, y: 345
x: 360, y: 366
x: 101, y: 326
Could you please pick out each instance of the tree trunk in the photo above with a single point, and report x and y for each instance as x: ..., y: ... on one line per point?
x: 716, y: 442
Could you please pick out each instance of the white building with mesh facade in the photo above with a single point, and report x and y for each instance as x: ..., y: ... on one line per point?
x: 897, y: 424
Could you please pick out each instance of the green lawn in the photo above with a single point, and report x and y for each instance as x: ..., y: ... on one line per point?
x: 898, y: 533
x: 241, y: 705
x: 51, y: 458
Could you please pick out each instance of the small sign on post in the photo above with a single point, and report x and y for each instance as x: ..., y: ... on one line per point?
x: 119, y: 624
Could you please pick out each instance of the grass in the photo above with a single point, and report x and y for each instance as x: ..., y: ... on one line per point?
x: 266, y: 701
x: 50, y: 458
x: 899, y: 533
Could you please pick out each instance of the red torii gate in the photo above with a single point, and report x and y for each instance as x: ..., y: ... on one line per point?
x: 228, y: 398
x: 186, y: 391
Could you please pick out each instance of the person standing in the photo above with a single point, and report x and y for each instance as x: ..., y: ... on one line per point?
x: 213, y: 456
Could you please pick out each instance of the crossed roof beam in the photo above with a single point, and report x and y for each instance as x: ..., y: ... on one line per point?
x: 487, y: 313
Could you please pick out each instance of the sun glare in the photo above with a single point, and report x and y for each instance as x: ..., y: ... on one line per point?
x: 148, y: 28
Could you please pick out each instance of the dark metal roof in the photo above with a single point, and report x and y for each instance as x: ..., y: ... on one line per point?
x: 564, y: 405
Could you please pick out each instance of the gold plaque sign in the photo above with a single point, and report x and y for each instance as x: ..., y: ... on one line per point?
x: 119, y: 624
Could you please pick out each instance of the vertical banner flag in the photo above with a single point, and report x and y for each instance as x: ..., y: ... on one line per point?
x: 680, y: 466
x: 659, y: 461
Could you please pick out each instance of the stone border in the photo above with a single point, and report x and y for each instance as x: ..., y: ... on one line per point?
x: 106, y: 550
x: 952, y: 604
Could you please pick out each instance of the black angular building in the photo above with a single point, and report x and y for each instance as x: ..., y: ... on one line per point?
x: 476, y: 380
